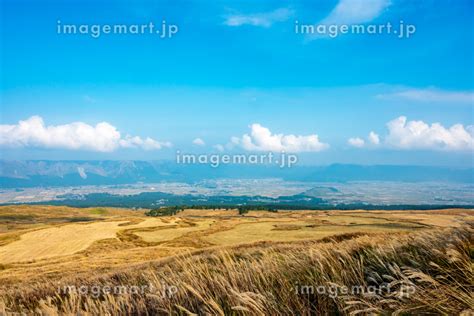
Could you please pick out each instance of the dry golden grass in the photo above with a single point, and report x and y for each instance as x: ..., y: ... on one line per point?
x: 267, y: 278
x: 50, y: 213
x: 20, y: 219
x: 245, y: 232
x: 166, y: 234
x: 56, y: 241
x: 68, y: 239
x: 40, y: 246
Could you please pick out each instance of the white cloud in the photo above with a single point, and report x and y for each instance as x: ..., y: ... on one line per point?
x: 147, y: 143
x: 374, y: 138
x: 234, y: 141
x: 355, y: 11
x: 356, y: 142
x: 431, y: 95
x: 102, y: 137
x: 199, y: 142
x: 262, y: 139
x: 265, y: 19
x: 405, y: 134
x: 219, y: 147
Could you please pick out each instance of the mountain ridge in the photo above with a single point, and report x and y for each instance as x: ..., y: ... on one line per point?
x: 29, y: 173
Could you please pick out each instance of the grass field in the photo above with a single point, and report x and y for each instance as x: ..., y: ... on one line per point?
x: 44, y: 245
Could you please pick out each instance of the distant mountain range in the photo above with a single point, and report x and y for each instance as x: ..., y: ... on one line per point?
x: 33, y: 173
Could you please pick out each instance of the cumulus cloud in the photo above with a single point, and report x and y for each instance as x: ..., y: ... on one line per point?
x: 419, y: 135
x: 355, y: 11
x: 374, y: 138
x: 404, y: 134
x: 102, y: 137
x: 199, y: 142
x: 356, y: 142
x: 262, y: 139
x: 431, y: 95
x: 265, y: 19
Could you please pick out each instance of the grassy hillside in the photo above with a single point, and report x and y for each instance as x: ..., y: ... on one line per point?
x: 426, y: 272
x: 117, y: 261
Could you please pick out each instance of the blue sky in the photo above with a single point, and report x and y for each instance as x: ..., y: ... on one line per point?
x: 232, y: 67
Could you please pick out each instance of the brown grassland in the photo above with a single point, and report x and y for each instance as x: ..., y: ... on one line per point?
x: 209, y: 262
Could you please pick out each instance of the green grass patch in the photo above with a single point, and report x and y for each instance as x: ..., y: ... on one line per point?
x: 98, y: 211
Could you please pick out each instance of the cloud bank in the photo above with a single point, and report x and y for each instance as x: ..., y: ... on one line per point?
x: 262, y: 139
x: 404, y: 134
x: 419, y: 135
x: 265, y: 19
x: 103, y: 137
